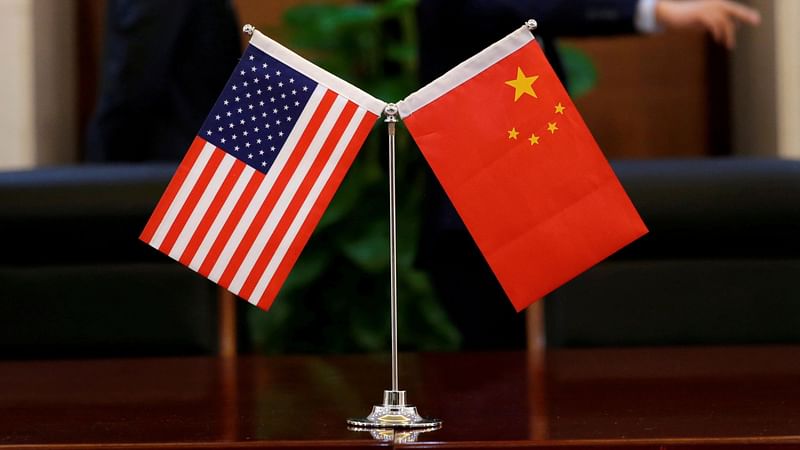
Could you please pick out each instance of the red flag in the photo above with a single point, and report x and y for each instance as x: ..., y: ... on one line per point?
x: 521, y: 168
x: 261, y: 171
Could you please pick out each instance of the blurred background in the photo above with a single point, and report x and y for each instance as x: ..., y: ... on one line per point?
x: 693, y: 98
x: 75, y: 280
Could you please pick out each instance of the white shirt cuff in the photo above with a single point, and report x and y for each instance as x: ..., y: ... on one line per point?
x: 645, y: 18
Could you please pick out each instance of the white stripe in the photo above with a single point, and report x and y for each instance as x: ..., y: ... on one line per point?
x: 266, y: 185
x: 202, y: 206
x: 316, y: 73
x: 311, y: 199
x: 182, y: 195
x: 222, y: 215
x: 288, y: 194
x: 465, y: 71
x: 216, y: 227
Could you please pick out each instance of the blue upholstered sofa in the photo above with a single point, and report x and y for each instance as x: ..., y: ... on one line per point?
x: 75, y: 281
x: 721, y: 264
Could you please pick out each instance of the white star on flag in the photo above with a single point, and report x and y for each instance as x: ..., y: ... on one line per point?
x: 242, y: 220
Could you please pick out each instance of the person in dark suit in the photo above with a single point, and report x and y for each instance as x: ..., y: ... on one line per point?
x: 454, y: 30
x: 162, y: 68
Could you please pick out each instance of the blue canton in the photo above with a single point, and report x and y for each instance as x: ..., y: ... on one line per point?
x: 258, y: 109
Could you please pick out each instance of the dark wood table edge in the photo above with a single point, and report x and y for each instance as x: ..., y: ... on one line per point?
x: 778, y: 442
x: 782, y: 442
x: 321, y: 445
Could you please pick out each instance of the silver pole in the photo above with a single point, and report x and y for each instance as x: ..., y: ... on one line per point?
x: 394, y: 412
x: 391, y: 121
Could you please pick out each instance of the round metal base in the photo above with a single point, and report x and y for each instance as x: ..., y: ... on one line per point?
x: 395, y: 435
x: 394, y: 413
x: 394, y: 417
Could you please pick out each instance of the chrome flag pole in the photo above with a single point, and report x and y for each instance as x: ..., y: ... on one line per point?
x: 394, y: 412
x: 391, y: 122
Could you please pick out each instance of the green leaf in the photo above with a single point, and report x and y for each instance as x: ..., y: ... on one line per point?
x: 580, y: 71
x: 369, y: 250
x: 336, y: 298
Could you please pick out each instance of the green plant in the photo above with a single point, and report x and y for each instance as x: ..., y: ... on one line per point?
x: 580, y: 70
x: 337, y: 297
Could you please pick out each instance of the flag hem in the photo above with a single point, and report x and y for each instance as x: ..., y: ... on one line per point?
x: 465, y: 71
x: 318, y: 74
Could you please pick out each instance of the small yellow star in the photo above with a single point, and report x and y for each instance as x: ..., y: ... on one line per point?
x: 559, y: 108
x: 512, y: 133
x: 551, y: 127
x: 534, y: 139
x: 523, y: 84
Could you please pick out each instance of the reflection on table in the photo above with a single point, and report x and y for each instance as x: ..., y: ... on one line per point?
x: 725, y: 396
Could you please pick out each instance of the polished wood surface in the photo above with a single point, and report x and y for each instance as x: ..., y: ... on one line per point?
x: 637, y: 398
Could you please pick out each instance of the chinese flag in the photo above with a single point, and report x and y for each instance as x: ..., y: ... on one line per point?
x: 521, y: 168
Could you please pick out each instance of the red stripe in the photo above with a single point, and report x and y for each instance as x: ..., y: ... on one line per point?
x: 212, y: 212
x: 233, y: 219
x: 172, y: 189
x: 241, y: 205
x: 277, y: 189
x: 302, y: 192
x: 192, y: 200
x: 316, y: 212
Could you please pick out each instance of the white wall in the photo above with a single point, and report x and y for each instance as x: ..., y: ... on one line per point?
x: 787, y: 46
x: 16, y: 84
x: 765, y: 82
x: 38, y: 82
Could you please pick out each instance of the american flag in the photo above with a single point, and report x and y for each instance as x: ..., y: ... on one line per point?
x: 261, y: 171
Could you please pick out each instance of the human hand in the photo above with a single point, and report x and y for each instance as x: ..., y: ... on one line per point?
x: 718, y: 17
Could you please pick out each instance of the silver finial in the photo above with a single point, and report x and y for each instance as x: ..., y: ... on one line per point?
x: 249, y: 29
x: 531, y: 24
x: 391, y: 112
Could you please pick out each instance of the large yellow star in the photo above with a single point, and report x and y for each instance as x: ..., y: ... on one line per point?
x: 512, y: 133
x: 534, y: 139
x: 523, y: 84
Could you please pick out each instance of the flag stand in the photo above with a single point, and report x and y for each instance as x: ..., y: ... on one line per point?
x: 394, y: 413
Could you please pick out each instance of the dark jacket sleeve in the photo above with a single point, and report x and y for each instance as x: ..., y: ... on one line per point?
x: 453, y: 30
x: 163, y: 65
x: 555, y: 17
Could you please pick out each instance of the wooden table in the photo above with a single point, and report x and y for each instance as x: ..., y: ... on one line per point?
x: 637, y: 398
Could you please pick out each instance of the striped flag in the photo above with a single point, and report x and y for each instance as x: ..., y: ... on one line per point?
x: 263, y: 168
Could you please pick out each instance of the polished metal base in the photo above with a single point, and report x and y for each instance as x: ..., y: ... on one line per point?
x: 394, y: 413
x: 395, y: 435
